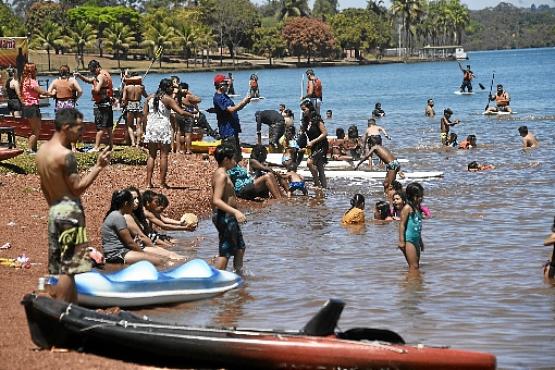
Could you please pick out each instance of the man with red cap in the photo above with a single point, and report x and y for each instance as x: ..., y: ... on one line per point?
x: 226, y: 113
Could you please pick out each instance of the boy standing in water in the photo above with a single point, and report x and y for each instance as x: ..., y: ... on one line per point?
x: 445, y: 125
x: 226, y: 217
x: 392, y: 166
x: 528, y: 139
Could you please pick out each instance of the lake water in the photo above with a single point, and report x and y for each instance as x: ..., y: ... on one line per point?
x: 481, y: 284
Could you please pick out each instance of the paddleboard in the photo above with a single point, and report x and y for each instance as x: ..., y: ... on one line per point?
x: 373, y: 175
x: 234, y: 95
x: 257, y: 99
x: 275, y: 159
x: 486, y: 113
x: 458, y: 92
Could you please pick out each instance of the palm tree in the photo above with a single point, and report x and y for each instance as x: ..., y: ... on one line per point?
x: 459, y: 18
x: 410, y: 11
x: 205, y: 40
x: 79, y: 37
x: 293, y: 8
x: 159, y: 36
x: 187, y: 37
x: 48, y: 37
x: 119, y: 38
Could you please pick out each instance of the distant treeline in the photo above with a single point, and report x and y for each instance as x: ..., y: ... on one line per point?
x: 509, y: 27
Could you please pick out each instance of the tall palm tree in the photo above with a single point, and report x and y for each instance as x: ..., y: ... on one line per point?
x: 459, y: 18
x: 293, y: 8
x: 159, y: 36
x: 118, y: 37
x: 186, y: 36
x: 206, y: 40
x: 410, y: 12
x: 81, y: 35
x: 48, y: 37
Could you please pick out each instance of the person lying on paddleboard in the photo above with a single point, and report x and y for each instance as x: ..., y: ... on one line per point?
x: 392, y: 166
x: 445, y: 125
x: 502, y: 100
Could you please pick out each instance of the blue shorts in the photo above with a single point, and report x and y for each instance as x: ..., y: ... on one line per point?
x: 296, y: 185
x: 229, y: 233
x: 393, y: 166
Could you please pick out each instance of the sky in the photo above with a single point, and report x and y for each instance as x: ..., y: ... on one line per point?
x: 472, y: 4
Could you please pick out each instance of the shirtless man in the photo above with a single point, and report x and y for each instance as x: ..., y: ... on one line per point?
x: 528, y: 139
x: 429, y: 111
x: 445, y: 125
x: 392, y: 166
x: 226, y: 217
x: 133, y: 91
x: 62, y: 186
x: 372, y: 136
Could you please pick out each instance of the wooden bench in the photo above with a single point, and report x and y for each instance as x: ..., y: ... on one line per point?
x: 10, y: 131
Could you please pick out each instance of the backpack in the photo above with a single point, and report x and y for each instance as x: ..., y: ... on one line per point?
x: 352, y: 132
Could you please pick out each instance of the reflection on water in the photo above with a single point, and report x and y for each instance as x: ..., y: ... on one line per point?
x: 481, y: 285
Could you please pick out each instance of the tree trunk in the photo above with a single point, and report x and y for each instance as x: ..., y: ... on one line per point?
x: 186, y: 52
x: 48, y: 52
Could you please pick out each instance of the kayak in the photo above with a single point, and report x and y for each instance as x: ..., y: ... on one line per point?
x: 318, y: 345
x: 204, y: 146
x: 9, y: 153
x: 373, y: 175
x: 486, y: 113
x: 141, y: 285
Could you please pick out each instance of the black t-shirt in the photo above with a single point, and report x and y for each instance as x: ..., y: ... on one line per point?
x: 268, y: 117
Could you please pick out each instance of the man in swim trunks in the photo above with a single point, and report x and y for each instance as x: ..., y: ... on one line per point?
x: 468, y: 75
x: 226, y: 217
x: 429, y: 111
x: 392, y: 166
x: 133, y: 91
x: 102, y: 94
x: 62, y: 187
x: 528, y: 139
x: 372, y: 136
x: 445, y: 125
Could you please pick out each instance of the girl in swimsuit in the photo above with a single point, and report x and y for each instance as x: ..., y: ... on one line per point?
x: 549, y: 268
x: 410, y: 227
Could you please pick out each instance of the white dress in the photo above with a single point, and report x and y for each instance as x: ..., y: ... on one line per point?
x: 158, y: 126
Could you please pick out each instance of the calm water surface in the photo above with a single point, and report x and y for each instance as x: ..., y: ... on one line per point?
x: 481, y: 284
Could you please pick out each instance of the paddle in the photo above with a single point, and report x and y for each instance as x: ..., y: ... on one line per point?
x: 157, y: 55
x: 490, y: 91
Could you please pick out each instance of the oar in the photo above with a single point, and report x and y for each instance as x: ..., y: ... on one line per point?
x: 490, y: 90
x: 481, y: 86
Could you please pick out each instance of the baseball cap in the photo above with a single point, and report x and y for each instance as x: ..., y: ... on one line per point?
x: 219, y: 79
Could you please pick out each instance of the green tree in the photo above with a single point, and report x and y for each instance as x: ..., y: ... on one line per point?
x: 48, y: 37
x: 269, y: 41
x: 308, y: 37
x: 324, y: 9
x: 118, y: 37
x: 359, y: 29
x: 10, y: 25
x: 81, y: 35
x: 42, y: 12
x: 410, y: 12
x: 293, y: 8
x: 206, y: 41
x: 159, y: 35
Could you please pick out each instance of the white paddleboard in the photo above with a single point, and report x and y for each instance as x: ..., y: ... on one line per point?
x: 257, y: 99
x: 486, y: 113
x: 275, y: 158
x: 373, y: 175
x: 458, y: 92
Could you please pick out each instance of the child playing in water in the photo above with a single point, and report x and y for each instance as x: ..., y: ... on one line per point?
x: 398, y: 203
x: 296, y: 181
x: 528, y: 139
x: 549, y: 268
x: 392, y: 166
x: 452, y: 140
x: 355, y: 214
x: 253, y: 84
x: 468, y: 143
x: 338, y: 147
x: 475, y: 167
x: 410, y: 227
x: 445, y: 125
x: 381, y: 211
x: 290, y: 147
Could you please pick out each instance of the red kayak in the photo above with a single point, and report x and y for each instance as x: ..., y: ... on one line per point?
x: 23, y: 128
x: 317, y: 346
x: 9, y: 153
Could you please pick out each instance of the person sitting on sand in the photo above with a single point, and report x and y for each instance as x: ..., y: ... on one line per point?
x: 154, y: 204
x: 475, y: 167
x: 120, y: 244
x: 338, y: 146
x: 528, y: 139
x: 249, y: 188
x: 549, y: 268
x: 355, y: 214
x: 381, y: 211
x: 392, y: 166
x: 294, y: 180
x: 468, y: 143
x: 258, y: 166
x: 445, y: 125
